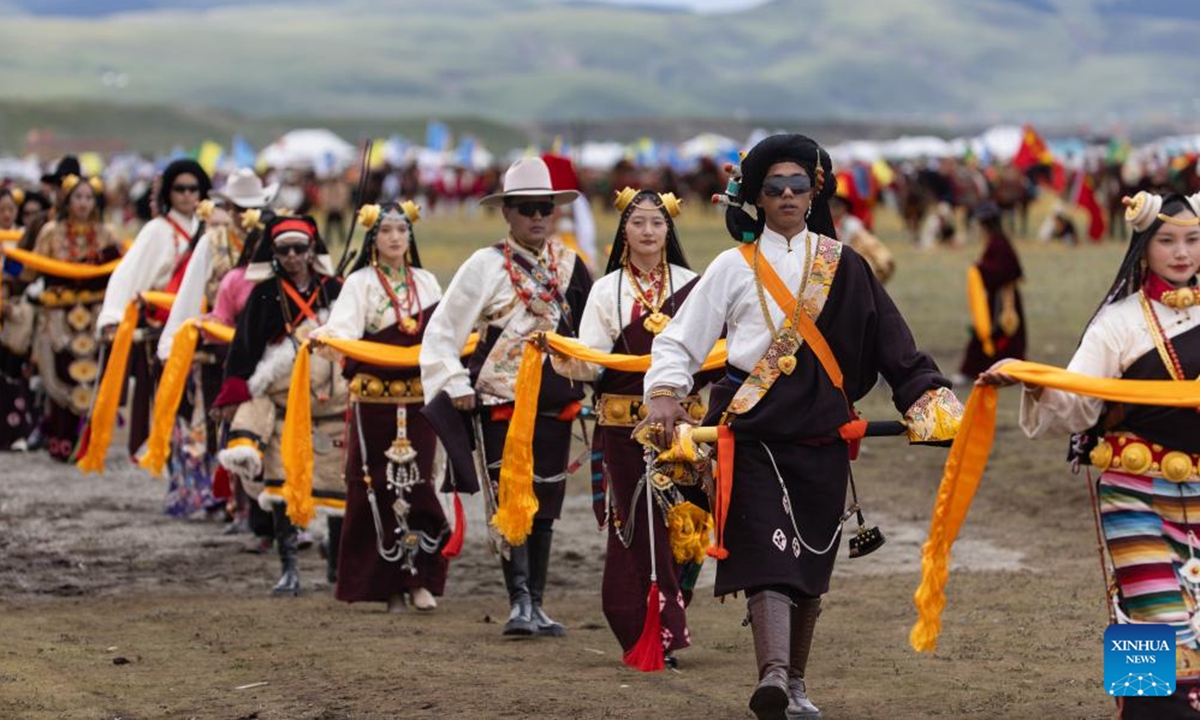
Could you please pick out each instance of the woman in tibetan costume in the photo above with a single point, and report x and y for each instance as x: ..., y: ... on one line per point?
x: 65, y: 349
x: 16, y: 334
x: 231, y: 232
x: 646, y: 281
x: 1149, y: 489
x: 156, y: 261
x: 394, y: 527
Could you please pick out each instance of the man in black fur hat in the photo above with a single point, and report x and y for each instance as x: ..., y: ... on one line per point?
x: 810, y: 329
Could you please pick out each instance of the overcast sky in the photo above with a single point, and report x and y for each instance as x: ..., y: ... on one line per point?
x: 698, y: 5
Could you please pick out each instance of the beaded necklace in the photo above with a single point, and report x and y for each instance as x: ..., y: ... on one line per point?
x: 78, y: 249
x: 655, y: 320
x: 1166, y: 349
x: 406, y: 311
x: 540, y: 303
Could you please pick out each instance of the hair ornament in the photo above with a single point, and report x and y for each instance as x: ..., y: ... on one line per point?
x: 368, y: 215
x: 205, y: 210
x: 411, y: 210
x: 1142, y: 209
x: 671, y: 204
x: 18, y: 196
x: 251, y: 218
x: 624, y: 197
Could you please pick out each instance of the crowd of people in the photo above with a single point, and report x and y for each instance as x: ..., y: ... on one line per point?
x: 270, y: 384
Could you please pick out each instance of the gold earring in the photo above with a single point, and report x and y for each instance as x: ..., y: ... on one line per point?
x: 374, y: 256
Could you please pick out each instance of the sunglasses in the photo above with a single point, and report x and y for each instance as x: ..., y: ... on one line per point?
x: 776, y: 184
x: 285, y: 250
x: 185, y: 188
x: 529, y: 209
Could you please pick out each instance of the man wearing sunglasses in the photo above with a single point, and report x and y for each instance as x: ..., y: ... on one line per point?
x: 296, y: 285
x: 810, y: 330
x: 521, y: 285
x: 156, y: 261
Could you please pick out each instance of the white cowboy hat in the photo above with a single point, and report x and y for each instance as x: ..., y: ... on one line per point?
x: 529, y: 177
x: 245, y: 189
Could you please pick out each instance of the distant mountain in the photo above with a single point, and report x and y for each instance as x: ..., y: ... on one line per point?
x: 1092, y: 62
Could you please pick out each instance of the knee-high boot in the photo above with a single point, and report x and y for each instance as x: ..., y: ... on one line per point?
x: 539, y: 567
x: 516, y: 580
x: 804, y: 621
x: 770, y: 620
x: 333, y: 544
x: 287, y: 539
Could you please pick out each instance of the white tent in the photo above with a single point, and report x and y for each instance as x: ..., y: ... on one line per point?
x: 707, y: 145
x: 600, y: 155
x: 914, y: 147
x: 315, y: 149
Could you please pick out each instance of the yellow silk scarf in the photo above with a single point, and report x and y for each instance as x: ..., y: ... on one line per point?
x: 171, y: 385
x: 104, y: 408
x: 516, y: 502
x: 9, y: 236
x: 981, y: 312
x: 60, y: 268
x: 968, y: 460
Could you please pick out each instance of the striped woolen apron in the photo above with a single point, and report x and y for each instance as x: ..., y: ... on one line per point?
x: 1146, y: 522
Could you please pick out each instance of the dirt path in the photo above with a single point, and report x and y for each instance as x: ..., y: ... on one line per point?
x: 92, y: 575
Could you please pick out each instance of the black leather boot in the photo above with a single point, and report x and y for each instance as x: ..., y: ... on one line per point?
x: 516, y: 579
x: 804, y: 621
x: 770, y: 619
x: 333, y: 543
x: 539, y: 567
x: 287, y: 538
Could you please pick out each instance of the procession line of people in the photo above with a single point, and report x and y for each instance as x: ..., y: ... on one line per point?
x: 807, y: 327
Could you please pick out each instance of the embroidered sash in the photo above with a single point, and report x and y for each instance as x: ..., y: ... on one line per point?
x: 766, y: 370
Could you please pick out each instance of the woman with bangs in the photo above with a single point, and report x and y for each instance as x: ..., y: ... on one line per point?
x: 1148, y: 491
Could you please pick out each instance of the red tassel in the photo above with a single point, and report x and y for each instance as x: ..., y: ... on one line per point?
x: 647, y: 654
x: 455, y: 543
x: 221, y: 489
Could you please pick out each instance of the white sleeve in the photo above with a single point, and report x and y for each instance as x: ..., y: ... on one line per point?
x: 348, y: 316
x: 135, y: 274
x: 189, y: 298
x: 595, y: 331
x: 680, y: 350
x: 456, y: 315
x: 1060, y: 412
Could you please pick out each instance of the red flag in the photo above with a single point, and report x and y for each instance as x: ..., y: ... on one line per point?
x: 1033, y: 150
x: 1084, y: 195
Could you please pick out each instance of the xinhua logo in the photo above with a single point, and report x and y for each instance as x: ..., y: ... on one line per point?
x: 1139, y: 660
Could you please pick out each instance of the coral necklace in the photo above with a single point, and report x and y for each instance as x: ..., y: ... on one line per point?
x: 406, y: 311
x: 540, y: 303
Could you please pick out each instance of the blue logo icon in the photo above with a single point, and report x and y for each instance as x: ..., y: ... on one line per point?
x: 1139, y: 660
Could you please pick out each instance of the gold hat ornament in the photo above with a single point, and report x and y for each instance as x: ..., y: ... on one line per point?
x: 70, y: 181
x: 667, y: 201
x: 1144, y: 208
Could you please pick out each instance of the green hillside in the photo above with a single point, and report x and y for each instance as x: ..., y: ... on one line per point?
x: 523, y: 60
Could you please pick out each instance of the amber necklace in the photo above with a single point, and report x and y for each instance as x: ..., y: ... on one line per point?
x: 1166, y: 349
x: 656, y: 320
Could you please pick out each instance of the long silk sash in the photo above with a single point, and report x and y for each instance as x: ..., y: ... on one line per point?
x: 968, y: 459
